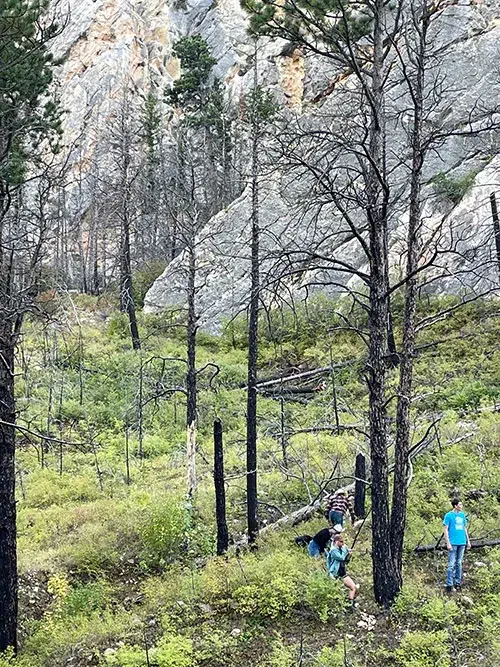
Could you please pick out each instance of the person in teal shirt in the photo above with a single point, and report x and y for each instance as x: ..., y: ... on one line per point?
x: 336, y: 565
x: 457, y: 540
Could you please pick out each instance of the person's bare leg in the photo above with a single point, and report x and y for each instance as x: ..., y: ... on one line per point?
x: 349, y: 583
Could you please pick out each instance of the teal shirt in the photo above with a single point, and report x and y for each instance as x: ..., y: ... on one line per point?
x: 333, y: 559
x: 456, y: 523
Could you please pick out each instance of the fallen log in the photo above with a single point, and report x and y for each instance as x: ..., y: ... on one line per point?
x: 474, y: 544
x: 294, y: 518
x: 290, y: 390
x: 268, y: 382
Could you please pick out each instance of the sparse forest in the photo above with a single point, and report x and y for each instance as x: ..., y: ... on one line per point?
x: 216, y: 310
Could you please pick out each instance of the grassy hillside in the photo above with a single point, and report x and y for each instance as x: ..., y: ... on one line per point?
x: 119, y: 570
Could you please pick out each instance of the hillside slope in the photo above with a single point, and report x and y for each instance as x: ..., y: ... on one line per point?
x: 116, y: 568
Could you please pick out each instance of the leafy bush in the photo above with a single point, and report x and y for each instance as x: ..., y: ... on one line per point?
x: 408, y: 600
x: 119, y: 325
x: 172, y: 651
x: 339, y: 656
x: 437, y: 613
x: 272, y: 599
x: 324, y: 596
x: 46, y: 487
x: 164, y: 533
x: 7, y: 658
x: 86, y: 598
x: 423, y: 649
x: 281, y: 655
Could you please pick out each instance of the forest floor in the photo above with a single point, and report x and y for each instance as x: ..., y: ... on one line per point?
x: 117, y: 568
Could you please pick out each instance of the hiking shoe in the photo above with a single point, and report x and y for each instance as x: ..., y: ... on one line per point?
x: 458, y: 587
x: 449, y: 589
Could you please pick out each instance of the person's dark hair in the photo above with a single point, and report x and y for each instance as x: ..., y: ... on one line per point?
x: 455, y: 502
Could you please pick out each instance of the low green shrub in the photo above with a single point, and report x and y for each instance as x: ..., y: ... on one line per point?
x: 281, y: 655
x: 423, y: 649
x: 164, y: 532
x: 341, y: 655
x: 87, y: 598
x: 7, y: 658
x: 171, y: 651
x: 323, y: 596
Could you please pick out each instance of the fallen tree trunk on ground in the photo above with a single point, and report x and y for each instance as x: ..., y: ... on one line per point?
x: 268, y: 382
x: 475, y: 544
x: 294, y: 518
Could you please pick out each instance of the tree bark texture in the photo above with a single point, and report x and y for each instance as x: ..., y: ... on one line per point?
x: 496, y: 228
x: 220, y: 491
x: 360, y: 487
x: 8, y: 552
x: 191, y: 384
x: 401, y: 453
x: 385, y: 581
x: 126, y: 287
x: 253, y: 327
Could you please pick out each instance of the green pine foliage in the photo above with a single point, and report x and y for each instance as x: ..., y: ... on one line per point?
x: 191, y: 88
x: 452, y: 188
x: 28, y: 114
x: 324, y: 25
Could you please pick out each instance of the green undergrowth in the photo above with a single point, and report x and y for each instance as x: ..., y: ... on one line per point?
x: 118, y: 568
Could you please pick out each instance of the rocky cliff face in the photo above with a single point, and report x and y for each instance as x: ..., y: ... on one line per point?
x: 110, y: 43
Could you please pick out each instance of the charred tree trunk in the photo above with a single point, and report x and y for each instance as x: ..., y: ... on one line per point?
x: 8, y: 552
x: 360, y: 487
x: 124, y: 149
x: 401, y: 454
x: 253, y: 344
x: 385, y: 581
x: 393, y: 357
x: 283, y: 434
x: 191, y: 388
x: 220, y: 492
x: 126, y: 290
x: 496, y: 228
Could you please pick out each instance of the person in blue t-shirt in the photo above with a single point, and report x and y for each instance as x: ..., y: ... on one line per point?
x: 457, y: 540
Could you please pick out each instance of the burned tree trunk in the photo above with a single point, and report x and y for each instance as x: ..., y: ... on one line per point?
x: 126, y: 290
x: 496, y: 228
x: 253, y: 332
x: 8, y: 552
x: 385, y: 581
x: 402, y: 446
x: 360, y: 487
x: 191, y: 387
x: 220, y: 492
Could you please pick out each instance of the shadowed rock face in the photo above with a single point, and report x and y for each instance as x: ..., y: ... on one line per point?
x: 111, y: 43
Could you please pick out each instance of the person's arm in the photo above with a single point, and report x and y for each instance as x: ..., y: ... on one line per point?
x: 337, y: 554
x: 467, y: 535
x: 447, y: 537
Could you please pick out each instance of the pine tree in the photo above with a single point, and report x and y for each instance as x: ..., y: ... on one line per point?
x: 28, y: 116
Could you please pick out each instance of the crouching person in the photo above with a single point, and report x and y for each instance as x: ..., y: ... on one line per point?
x: 336, y: 565
x: 317, y: 545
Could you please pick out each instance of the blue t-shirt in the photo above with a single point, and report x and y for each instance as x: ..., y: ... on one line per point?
x: 456, y: 522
